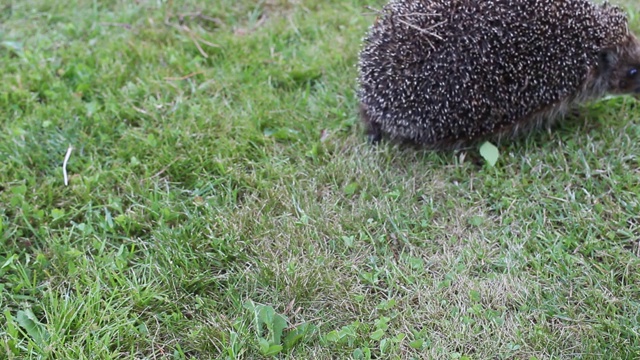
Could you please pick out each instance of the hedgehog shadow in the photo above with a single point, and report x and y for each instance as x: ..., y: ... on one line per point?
x: 575, y: 125
x: 578, y: 122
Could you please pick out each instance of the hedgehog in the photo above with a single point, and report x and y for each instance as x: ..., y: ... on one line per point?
x: 447, y: 73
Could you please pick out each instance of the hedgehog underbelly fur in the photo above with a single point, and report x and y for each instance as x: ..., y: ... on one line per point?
x: 442, y: 73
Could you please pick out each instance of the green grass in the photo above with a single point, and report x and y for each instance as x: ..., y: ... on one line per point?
x: 223, y: 202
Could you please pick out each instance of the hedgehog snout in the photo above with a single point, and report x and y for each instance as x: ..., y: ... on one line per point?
x: 632, y: 80
x: 635, y: 74
x: 628, y: 66
x: 625, y: 79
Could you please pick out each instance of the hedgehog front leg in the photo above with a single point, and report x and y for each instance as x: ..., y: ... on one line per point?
x: 372, y: 129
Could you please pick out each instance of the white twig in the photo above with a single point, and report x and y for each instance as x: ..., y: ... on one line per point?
x: 64, y: 165
x: 425, y: 31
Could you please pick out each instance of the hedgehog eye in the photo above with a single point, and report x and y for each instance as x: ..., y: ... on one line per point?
x: 632, y: 72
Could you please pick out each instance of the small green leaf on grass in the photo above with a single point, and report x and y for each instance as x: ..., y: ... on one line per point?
x: 19, y: 190
x: 57, y: 213
x: 281, y: 133
x: 362, y: 353
x: 383, y: 323
x: 315, y: 151
x: 417, y: 344
x: 333, y: 336
x: 377, y: 335
x: 351, y: 188
x: 14, y: 46
x: 348, y: 240
x: 415, y: 263
x: 142, y: 329
x: 490, y: 153
x: 474, y: 295
x: 476, y: 220
x: 386, y: 304
x: 304, y: 76
x: 151, y: 140
x: 384, y: 345
x: 7, y: 264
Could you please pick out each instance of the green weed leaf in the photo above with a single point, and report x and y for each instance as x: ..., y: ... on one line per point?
x: 263, y: 346
x: 417, y: 344
x: 384, y: 345
x: 34, y: 328
x: 474, y: 295
x: 362, y: 354
x: 295, y: 335
x: 268, y: 349
x: 333, y: 336
x: 476, y: 220
x: 351, y: 188
x: 57, y: 213
x: 278, y: 325
x: 377, y: 335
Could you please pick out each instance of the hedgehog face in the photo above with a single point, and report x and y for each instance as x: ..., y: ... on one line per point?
x: 627, y: 79
x: 625, y: 68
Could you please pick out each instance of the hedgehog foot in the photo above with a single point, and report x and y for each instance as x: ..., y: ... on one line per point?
x: 374, y: 139
x: 373, y: 130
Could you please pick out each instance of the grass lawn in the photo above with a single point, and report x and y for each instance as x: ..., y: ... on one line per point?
x: 223, y: 202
